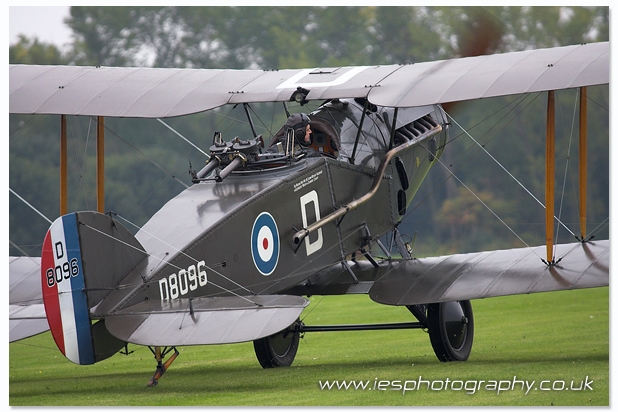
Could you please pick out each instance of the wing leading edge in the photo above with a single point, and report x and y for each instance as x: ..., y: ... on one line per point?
x: 161, y: 92
x: 493, y: 273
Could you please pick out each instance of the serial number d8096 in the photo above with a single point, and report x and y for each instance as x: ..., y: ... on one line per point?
x: 177, y: 285
x: 62, y: 272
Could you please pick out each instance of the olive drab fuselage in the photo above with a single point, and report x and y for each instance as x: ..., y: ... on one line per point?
x: 238, y: 232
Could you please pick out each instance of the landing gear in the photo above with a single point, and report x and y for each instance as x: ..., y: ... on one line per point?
x: 451, y: 329
x: 278, y: 349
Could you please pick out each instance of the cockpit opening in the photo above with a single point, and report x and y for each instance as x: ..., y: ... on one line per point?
x: 324, y: 139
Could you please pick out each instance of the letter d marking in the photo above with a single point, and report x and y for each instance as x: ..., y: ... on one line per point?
x: 305, y: 200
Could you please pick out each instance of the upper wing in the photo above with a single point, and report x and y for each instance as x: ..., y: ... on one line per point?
x: 495, y: 75
x: 156, y: 92
x: 26, y: 311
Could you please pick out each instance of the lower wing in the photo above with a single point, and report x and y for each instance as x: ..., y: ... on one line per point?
x: 493, y: 273
x: 205, y: 321
x: 26, y: 311
x: 464, y: 276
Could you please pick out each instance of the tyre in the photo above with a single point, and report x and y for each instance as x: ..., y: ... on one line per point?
x: 277, y: 350
x: 451, y: 329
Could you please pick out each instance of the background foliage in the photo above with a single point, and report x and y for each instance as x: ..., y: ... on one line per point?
x: 145, y: 161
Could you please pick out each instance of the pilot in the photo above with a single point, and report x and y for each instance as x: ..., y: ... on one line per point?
x: 300, y: 124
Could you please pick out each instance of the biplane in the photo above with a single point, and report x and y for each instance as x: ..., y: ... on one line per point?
x: 264, y: 225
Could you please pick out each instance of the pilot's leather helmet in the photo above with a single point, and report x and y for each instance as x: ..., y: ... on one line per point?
x: 298, y: 122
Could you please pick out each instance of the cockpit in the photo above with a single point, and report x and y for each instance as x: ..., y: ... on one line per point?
x: 284, y: 149
x: 324, y: 139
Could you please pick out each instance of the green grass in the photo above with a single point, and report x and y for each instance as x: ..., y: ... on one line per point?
x: 558, y: 336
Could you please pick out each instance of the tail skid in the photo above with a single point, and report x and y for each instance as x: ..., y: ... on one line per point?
x: 161, y: 367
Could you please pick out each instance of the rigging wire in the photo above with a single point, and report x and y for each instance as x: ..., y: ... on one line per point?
x: 151, y: 193
x: 566, y: 166
x: 182, y: 137
x: 169, y: 264
x: 312, y: 308
x: 515, y: 104
x: 210, y: 268
x: 268, y: 129
x: 598, y: 228
x: 29, y: 205
x: 27, y: 342
x: 511, y: 105
x: 482, y: 147
x: 151, y: 160
x: 291, y: 274
x: 22, y: 251
x: 487, y: 207
x: 81, y: 167
x: 183, y: 253
x: 228, y: 116
x: 509, y: 173
x: 20, y: 127
x: 557, y: 218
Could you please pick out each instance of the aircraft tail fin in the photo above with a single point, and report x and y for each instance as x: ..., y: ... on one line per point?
x: 85, y: 255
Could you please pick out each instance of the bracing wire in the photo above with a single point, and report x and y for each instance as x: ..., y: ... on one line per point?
x: 598, y: 228
x: 183, y: 138
x: 514, y: 105
x: 183, y: 253
x: 452, y: 174
x: 174, y: 266
x: 292, y: 273
x: 486, y: 206
x: 29, y: 205
x: 147, y: 157
x: 507, y: 172
x: 81, y: 166
x: 566, y: 167
x: 312, y: 308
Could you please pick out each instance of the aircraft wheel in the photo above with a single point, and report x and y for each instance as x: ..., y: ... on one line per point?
x: 278, y: 349
x: 451, y: 329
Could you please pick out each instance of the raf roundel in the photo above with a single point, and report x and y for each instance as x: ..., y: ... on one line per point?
x: 265, y: 243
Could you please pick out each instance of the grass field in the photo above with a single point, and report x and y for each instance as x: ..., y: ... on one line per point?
x: 561, y: 338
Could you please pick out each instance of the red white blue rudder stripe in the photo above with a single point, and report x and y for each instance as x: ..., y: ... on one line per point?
x: 64, y: 291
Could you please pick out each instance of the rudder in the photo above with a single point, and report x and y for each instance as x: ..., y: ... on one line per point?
x: 84, y: 256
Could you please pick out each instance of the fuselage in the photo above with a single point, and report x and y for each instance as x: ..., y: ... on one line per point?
x: 235, y: 236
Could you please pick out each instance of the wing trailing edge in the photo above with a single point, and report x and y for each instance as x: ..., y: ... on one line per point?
x: 493, y: 273
x: 205, y: 321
